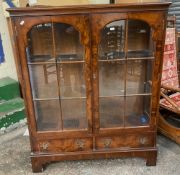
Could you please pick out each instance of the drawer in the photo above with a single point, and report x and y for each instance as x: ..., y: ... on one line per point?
x: 125, y: 141
x: 64, y: 145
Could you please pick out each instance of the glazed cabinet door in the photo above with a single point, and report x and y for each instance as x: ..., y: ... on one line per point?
x: 58, y: 68
x: 123, y: 60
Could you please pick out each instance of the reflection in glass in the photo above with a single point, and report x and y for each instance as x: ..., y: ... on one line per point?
x: 74, y: 114
x: 71, y: 75
x: 47, y: 115
x: 139, y: 74
x: 72, y: 80
x: 111, y: 75
x: 112, y: 41
x: 137, y: 111
x: 43, y: 80
x: 125, y: 71
x: 57, y: 74
x: 111, y: 112
x: 139, y: 39
x: 111, y: 78
x: 68, y: 44
x: 111, y: 64
x: 40, y: 43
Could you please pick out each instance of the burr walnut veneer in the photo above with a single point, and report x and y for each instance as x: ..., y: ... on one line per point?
x: 90, y: 77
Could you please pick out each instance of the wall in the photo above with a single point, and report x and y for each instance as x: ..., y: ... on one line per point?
x: 8, y: 67
x: 58, y: 2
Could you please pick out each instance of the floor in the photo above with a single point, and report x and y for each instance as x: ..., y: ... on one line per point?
x: 15, y: 150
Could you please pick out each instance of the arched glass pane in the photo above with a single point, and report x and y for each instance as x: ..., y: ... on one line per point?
x: 68, y: 43
x: 43, y: 77
x: 139, y: 67
x: 140, y: 42
x: 126, y: 58
x: 41, y: 62
x: 71, y: 75
x: 40, y: 43
x: 56, y: 64
x: 140, y: 56
x: 113, y: 41
x: 111, y: 74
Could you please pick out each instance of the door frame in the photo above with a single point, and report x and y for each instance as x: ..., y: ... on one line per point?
x: 157, y: 24
x: 23, y: 26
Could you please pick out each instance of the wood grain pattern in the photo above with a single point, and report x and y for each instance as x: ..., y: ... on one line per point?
x: 92, y: 142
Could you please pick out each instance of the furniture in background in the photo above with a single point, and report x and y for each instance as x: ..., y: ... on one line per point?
x: 178, y: 52
x: 169, y: 120
x: 98, y: 103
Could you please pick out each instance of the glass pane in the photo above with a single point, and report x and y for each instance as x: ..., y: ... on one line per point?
x: 137, y: 111
x: 40, y: 43
x: 74, y: 114
x: 70, y: 57
x: 139, y: 73
x: 71, y: 76
x: 43, y: 80
x: 68, y: 44
x: 111, y: 112
x: 112, y: 41
x: 112, y: 74
x: 72, y: 80
x: 111, y: 78
x: 47, y: 115
x: 56, y: 68
x: 139, y: 39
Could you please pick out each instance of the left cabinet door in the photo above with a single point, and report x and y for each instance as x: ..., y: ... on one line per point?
x: 57, y: 58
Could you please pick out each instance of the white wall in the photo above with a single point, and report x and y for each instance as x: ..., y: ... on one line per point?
x: 8, y: 67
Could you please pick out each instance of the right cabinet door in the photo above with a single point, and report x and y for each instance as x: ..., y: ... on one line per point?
x: 123, y: 66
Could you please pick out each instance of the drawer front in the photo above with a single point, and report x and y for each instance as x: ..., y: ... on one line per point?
x: 125, y: 141
x: 64, y: 145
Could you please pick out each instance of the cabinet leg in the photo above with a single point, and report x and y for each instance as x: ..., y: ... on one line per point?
x: 151, y: 159
x: 37, y: 165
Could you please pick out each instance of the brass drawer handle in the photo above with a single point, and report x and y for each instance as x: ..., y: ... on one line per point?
x: 44, y: 146
x: 80, y: 143
x: 107, y: 143
x: 143, y: 140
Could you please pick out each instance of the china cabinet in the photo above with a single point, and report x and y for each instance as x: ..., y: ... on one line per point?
x: 90, y: 77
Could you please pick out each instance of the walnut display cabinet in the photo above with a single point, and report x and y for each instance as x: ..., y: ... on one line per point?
x: 90, y: 76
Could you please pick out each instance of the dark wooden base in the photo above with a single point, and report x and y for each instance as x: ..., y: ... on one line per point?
x: 40, y: 160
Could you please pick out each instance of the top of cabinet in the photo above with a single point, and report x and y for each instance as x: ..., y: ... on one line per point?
x: 86, y: 9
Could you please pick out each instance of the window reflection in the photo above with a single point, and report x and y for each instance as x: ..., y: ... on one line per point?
x: 113, y: 41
